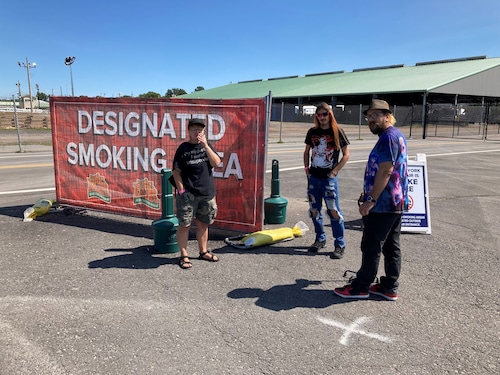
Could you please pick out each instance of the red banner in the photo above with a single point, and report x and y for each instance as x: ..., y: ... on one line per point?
x: 109, y: 153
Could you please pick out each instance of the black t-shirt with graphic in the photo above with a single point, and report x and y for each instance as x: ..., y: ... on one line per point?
x: 324, y: 156
x: 196, y: 171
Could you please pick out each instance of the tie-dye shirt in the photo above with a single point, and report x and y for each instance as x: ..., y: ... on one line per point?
x: 391, y: 146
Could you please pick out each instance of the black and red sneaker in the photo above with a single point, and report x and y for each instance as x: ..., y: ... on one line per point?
x: 379, y: 290
x: 348, y: 291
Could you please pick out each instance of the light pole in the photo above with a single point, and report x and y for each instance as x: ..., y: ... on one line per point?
x: 18, y: 84
x: 28, y: 65
x: 68, y: 61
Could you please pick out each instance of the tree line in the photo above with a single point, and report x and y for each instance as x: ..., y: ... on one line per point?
x: 169, y: 94
x: 150, y: 94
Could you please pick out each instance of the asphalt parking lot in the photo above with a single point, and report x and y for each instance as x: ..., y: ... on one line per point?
x: 82, y: 293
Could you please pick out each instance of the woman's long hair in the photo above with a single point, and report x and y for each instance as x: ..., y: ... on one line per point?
x: 333, y: 123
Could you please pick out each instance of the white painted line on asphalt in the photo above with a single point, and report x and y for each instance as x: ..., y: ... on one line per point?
x: 461, y: 153
x: 353, y: 328
x: 26, y: 191
x: 410, y: 157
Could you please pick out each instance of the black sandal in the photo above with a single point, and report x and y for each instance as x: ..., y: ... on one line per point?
x: 212, y: 258
x: 185, y: 264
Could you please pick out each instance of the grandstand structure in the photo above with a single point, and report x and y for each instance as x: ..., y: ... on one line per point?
x: 456, y: 92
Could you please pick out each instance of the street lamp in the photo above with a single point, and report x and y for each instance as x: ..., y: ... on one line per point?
x: 68, y: 61
x: 28, y: 65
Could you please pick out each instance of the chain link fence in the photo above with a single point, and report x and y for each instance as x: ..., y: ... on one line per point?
x: 465, y: 121
x: 468, y: 121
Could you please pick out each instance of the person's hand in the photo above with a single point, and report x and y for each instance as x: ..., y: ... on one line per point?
x: 202, y: 138
x: 184, y: 196
x: 365, y: 208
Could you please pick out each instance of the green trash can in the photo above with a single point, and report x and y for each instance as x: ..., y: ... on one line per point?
x: 165, y: 235
x: 275, y: 206
x: 165, y: 229
x: 275, y: 210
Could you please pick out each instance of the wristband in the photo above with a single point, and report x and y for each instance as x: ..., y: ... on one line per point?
x: 181, y: 191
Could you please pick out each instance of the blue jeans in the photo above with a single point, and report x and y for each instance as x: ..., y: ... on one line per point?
x: 326, y: 189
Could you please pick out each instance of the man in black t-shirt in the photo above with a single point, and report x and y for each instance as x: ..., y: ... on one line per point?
x: 193, y: 174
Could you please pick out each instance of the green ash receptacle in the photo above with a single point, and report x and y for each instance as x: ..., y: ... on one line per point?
x: 165, y: 229
x: 275, y: 206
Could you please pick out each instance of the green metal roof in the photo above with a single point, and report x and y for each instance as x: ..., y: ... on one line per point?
x: 423, y: 77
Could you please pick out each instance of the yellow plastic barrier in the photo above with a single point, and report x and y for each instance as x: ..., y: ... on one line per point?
x: 267, y: 237
x: 41, y: 207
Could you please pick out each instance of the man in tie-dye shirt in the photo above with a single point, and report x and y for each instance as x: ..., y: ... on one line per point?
x: 384, y: 198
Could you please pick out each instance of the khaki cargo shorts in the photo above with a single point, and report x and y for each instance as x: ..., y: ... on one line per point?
x: 189, y: 206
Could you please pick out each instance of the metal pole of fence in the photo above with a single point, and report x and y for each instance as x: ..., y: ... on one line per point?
x: 486, y: 120
x: 411, y: 121
x: 281, y: 122
x: 455, y: 117
x: 424, y: 116
x: 17, y: 124
x: 483, y: 124
x: 359, y: 127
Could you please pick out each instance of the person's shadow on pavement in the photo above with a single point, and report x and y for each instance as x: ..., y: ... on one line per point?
x: 287, y: 297
x: 138, y: 258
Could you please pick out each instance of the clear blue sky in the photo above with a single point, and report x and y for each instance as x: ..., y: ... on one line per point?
x: 132, y: 47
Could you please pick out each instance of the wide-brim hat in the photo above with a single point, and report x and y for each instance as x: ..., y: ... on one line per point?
x: 196, y: 121
x: 381, y: 105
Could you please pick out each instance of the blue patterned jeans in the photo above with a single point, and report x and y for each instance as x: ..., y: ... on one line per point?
x: 326, y: 190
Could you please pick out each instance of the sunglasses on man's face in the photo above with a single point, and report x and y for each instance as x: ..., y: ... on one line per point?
x: 374, y: 115
x: 322, y: 114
